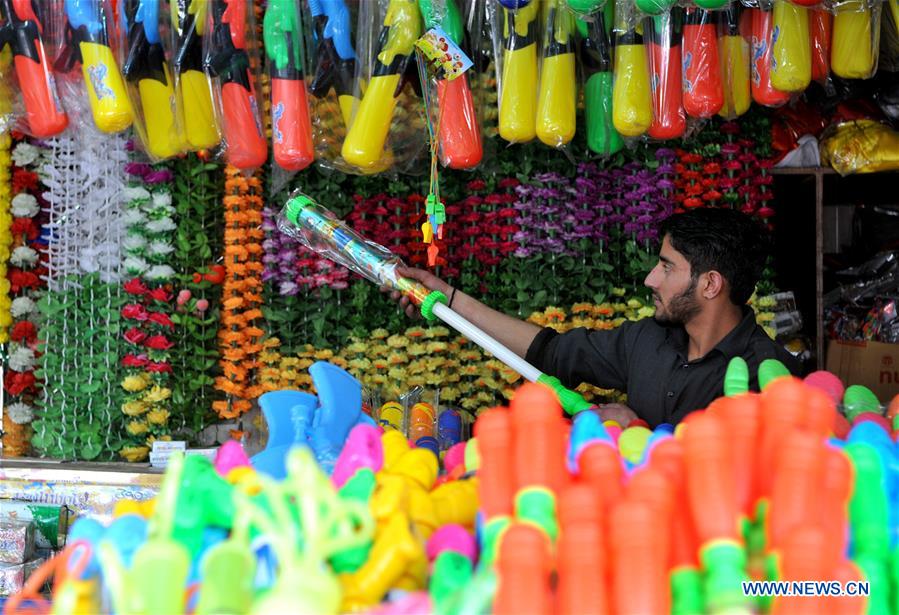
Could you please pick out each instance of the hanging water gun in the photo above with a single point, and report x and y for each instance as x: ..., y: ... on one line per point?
x: 459, y: 133
x: 735, y: 58
x: 87, y: 42
x: 556, y: 101
x: 335, y: 58
x: 669, y: 120
x: 791, y: 52
x: 291, y: 126
x: 762, y: 34
x: 192, y: 88
x: 145, y: 65
x: 703, y: 93
x: 820, y: 31
x: 596, y: 59
x: 631, y: 90
x: 364, y: 143
x: 856, y: 35
x: 518, y: 98
x: 227, y: 59
x: 21, y: 29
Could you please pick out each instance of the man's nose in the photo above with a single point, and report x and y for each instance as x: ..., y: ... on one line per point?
x: 650, y: 280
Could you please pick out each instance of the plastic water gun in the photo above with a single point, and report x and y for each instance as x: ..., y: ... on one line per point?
x: 192, y: 88
x: 595, y: 48
x: 335, y: 58
x: 459, y: 132
x: 556, y: 100
x: 227, y: 59
x: 703, y: 92
x: 820, y: 30
x: 22, y: 29
x: 291, y: 126
x: 146, y: 66
x: 321, y: 231
x: 762, y: 35
x: 518, y: 97
x: 854, y: 48
x: 635, y: 550
x: 669, y: 120
x: 524, y: 567
x: 735, y: 58
x: 87, y: 42
x: 631, y: 90
x: 582, y: 562
x: 364, y: 143
x: 791, y: 51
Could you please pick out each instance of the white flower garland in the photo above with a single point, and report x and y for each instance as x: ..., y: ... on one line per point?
x: 21, y: 358
x: 20, y: 413
x: 24, y: 154
x: 23, y: 306
x: 23, y: 256
x: 24, y: 205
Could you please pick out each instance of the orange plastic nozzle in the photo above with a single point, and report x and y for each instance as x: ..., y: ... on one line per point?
x: 820, y: 27
x: 820, y: 412
x: 291, y: 126
x: 246, y: 146
x: 524, y: 567
x: 669, y: 120
x: 837, y: 479
x: 703, y: 91
x: 539, y: 433
x: 493, y: 431
x: 45, y: 116
x: 783, y: 409
x: 639, y: 574
x: 742, y: 416
x: 460, y: 135
x: 651, y: 485
x: 845, y: 572
x: 581, y: 553
x: 668, y: 457
x: 762, y: 91
x: 711, y: 485
x: 795, y: 491
x: 600, y: 467
x: 804, y: 556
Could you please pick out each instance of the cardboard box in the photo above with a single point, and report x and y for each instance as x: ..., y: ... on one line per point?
x: 872, y: 364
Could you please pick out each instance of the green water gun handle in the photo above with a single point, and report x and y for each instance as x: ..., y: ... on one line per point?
x: 595, y: 49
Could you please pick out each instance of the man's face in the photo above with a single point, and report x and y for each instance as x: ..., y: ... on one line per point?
x: 673, y: 288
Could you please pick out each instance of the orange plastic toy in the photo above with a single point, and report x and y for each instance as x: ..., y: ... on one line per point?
x: 524, y: 567
x: 493, y: 431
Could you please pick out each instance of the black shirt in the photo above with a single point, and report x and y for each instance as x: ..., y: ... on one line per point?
x: 649, y: 362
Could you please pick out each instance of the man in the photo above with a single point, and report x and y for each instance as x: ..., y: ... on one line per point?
x: 674, y: 363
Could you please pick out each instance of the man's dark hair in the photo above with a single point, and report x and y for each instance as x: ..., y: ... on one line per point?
x: 723, y: 240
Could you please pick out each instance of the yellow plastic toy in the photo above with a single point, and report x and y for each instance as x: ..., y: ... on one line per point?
x: 631, y: 93
x: 193, y: 96
x: 791, y: 50
x: 734, y: 53
x: 105, y: 88
x: 556, y: 103
x: 518, y: 94
x: 856, y: 39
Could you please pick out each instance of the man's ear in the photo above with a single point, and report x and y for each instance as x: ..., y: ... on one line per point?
x: 713, y: 285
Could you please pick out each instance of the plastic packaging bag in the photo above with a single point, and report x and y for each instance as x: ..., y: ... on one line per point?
x: 459, y: 130
x: 631, y: 89
x: 557, y: 97
x: 861, y: 146
x: 664, y: 32
x: 193, y: 95
x: 387, y: 128
x: 856, y: 38
x: 22, y: 33
x: 282, y: 30
x: 148, y: 79
x: 791, y: 60
x: 595, y: 55
x: 734, y: 50
x: 515, y: 39
x: 762, y: 91
x: 227, y: 45
x: 89, y: 36
x: 820, y: 26
x: 703, y: 91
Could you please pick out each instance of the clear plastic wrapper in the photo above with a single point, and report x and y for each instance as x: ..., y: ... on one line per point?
x: 587, y: 9
x: 791, y: 50
x: 861, y: 146
x: 820, y: 27
x: 22, y: 34
x: 664, y: 32
x: 229, y: 40
x: 387, y: 130
x: 734, y: 50
x: 455, y: 114
x: 703, y: 90
x: 193, y: 95
x: 557, y: 96
x: 762, y: 32
x: 596, y: 53
x: 515, y: 44
x: 631, y: 88
x: 856, y: 38
x: 148, y: 79
x: 89, y: 36
x: 282, y: 29
x: 711, y: 5
x: 16, y: 541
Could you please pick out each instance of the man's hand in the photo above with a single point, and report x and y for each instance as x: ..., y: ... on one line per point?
x: 428, y: 280
x: 619, y: 413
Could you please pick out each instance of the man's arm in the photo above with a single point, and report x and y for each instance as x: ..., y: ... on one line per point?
x: 514, y: 334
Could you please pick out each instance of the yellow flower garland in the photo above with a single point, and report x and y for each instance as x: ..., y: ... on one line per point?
x: 6, y: 238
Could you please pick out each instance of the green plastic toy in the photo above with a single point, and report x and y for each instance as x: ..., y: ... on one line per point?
x: 858, y: 399
x: 770, y: 370
x: 452, y: 572
x: 595, y: 50
x: 724, y: 563
x: 736, y: 378
x: 537, y: 505
x: 868, y: 508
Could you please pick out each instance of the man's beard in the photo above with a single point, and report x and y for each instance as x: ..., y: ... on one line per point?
x: 681, y: 308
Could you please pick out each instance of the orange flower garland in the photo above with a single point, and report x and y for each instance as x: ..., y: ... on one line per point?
x: 239, y: 336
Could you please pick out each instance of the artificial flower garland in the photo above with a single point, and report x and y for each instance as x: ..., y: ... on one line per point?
x: 6, y: 235
x: 148, y: 326
x: 239, y: 336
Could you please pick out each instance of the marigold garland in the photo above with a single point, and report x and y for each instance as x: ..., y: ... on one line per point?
x: 6, y: 235
x: 239, y: 336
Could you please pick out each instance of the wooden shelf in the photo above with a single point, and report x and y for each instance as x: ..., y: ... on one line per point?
x: 802, y: 171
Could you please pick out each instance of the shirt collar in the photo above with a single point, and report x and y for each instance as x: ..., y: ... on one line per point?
x: 733, y: 345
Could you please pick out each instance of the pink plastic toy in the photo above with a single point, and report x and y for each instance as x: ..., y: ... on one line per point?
x: 614, y: 432
x: 451, y: 537
x: 828, y: 383
x: 229, y: 456
x: 874, y: 418
x: 363, y: 449
x: 454, y: 456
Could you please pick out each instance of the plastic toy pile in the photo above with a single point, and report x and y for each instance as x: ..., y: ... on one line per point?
x: 571, y: 517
